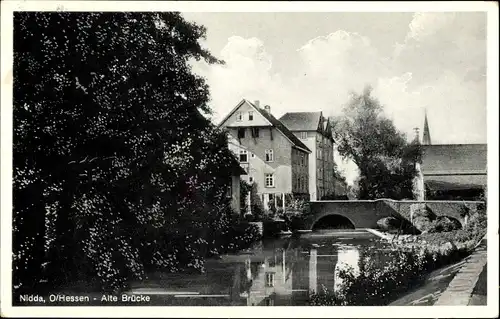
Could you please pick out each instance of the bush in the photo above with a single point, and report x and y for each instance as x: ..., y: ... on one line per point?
x: 375, y: 285
x: 444, y: 224
x: 423, y: 218
x: 296, y: 213
x: 388, y: 223
x: 477, y: 222
x: 240, y: 235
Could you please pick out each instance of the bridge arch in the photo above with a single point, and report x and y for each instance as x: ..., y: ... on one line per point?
x: 333, y: 221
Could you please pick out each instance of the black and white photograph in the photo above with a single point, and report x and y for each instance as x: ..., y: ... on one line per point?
x: 313, y: 159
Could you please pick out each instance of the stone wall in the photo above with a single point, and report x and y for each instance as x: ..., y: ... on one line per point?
x: 366, y: 213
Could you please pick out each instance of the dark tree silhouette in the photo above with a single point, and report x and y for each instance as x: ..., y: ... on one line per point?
x: 116, y: 170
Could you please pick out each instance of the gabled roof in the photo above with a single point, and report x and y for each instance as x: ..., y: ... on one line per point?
x: 236, y: 108
x: 282, y: 128
x: 274, y: 122
x: 453, y: 159
x: 301, y: 121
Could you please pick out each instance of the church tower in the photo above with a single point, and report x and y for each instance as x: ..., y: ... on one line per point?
x: 426, y: 139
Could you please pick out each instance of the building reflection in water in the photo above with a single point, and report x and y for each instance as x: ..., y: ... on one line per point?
x: 286, y: 276
x: 347, y: 257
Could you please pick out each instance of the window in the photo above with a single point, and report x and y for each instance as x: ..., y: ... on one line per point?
x: 269, y: 279
x: 253, y: 155
x: 243, y: 156
x: 302, y: 160
x: 269, y: 156
x: 303, y: 135
x: 229, y: 191
x: 241, y: 133
x: 269, y: 178
x: 250, y: 116
x: 239, y: 117
x: 255, y: 132
x: 250, y: 179
x: 319, y: 153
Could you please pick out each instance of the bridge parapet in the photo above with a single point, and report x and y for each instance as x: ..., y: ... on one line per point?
x: 366, y: 213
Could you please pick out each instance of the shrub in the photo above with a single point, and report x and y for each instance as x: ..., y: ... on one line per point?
x: 423, y: 218
x: 240, y: 235
x: 245, y: 189
x: 296, y: 213
x: 444, y: 224
x: 388, y: 223
x: 376, y: 285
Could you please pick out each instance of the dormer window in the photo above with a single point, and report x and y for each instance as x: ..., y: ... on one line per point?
x: 239, y: 117
x: 303, y: 135
x: 250, y: 116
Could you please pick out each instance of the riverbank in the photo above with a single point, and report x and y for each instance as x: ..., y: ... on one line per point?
x: 431, y: 289
x: 420, y: 268
x: 461, y: 288
x: 462, y: 283
x: 454, y: 284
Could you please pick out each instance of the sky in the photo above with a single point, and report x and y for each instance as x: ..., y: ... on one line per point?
x: 416, y: 63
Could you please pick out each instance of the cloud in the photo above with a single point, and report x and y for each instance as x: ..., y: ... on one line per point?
x: 425, y: 24
x: 440, y: 67
x: 247, y: 73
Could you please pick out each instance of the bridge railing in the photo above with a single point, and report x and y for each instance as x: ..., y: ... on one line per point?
x: 397, y: 201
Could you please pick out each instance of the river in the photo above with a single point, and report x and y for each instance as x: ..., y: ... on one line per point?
x: 278, y: 272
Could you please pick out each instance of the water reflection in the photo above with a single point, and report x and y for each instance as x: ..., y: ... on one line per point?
x: 279, y: 272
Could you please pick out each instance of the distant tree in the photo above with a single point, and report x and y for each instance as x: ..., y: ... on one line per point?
x: 116, y: 170
x: 386, y: 161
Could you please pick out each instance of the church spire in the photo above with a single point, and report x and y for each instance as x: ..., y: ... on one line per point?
x: 426, y: 139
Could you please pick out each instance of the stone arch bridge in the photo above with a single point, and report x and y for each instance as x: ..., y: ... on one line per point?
x: 366, y: 213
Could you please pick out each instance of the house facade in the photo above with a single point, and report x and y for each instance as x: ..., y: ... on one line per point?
x: 233, y: 191
x: 275, y: 160
x: 315, y: 131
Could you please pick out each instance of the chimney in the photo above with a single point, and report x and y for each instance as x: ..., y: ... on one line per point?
x: 256, y: 103
x: 267, y: 108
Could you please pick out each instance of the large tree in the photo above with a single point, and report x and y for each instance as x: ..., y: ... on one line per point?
x: 386, y: 161
x: 116, y: 170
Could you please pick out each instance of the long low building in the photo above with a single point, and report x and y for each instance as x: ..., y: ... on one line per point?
x: 454, y: 171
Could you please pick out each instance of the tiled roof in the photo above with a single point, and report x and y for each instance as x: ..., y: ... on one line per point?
x: 280, y: 126
x: 455, y: 182
x: 451, y: 159
x: 301, y: 121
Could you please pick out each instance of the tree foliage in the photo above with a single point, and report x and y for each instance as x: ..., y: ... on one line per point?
x: 386, y: 161
x: 116, y: 170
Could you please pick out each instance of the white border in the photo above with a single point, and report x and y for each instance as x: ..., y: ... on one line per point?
x: 8, y: 7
